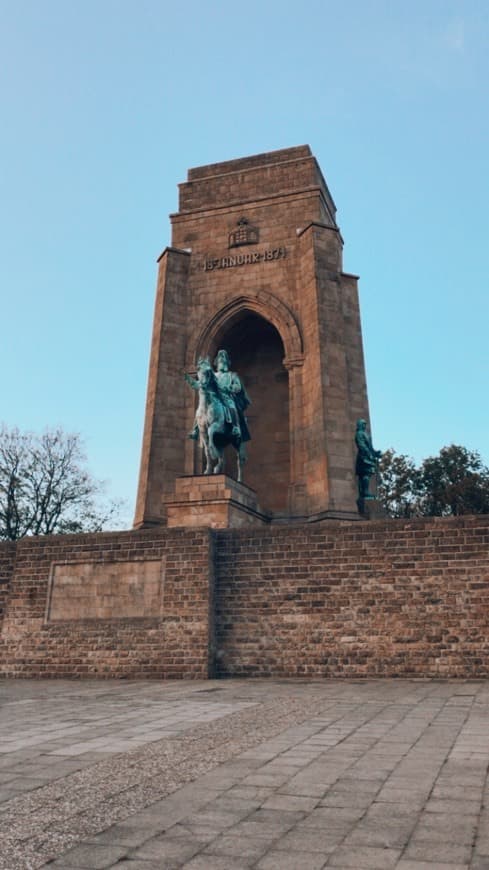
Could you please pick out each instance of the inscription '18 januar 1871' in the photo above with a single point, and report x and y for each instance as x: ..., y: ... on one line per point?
x: 244, y: 259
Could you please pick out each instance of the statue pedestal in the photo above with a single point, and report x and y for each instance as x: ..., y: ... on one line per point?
x: 371, y: 509
x: 215, y: 501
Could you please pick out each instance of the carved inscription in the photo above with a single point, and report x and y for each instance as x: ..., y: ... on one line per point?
x: 245, y: 259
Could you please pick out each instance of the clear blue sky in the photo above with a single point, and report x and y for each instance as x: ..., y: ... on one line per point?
x: 104, y: 106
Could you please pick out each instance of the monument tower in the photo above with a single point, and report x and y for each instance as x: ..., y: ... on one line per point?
x: 255, y: 267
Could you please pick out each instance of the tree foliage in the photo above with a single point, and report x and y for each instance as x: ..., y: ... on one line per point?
x: 454, y: 482
x: 45, y: 487
x: 398, y: 484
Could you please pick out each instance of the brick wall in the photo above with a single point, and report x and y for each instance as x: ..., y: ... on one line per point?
x: 173, y: 643
x: 388, y: 598
x: 7, y: 560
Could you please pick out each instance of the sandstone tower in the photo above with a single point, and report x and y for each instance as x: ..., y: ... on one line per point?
x: 255, y: 266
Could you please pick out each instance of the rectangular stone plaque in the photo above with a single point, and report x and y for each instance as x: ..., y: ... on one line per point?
x: 105, y: 590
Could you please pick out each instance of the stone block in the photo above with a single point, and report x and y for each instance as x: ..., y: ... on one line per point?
x: 214, y: 501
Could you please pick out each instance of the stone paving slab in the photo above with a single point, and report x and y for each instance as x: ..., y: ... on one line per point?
x: 275, y: 775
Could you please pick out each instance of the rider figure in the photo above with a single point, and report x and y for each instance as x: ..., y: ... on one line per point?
x: 233, y: 396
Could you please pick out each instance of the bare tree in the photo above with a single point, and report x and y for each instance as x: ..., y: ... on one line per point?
x: 45, y: 487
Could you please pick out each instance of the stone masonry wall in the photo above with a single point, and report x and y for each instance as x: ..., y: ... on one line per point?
x: 365, y: 599
x: 388, y: 598
x: 285, y: 296
x: 172, y: 642
x: 7, y: 561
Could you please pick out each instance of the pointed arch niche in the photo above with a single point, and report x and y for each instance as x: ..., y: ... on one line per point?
x: 264, y: 343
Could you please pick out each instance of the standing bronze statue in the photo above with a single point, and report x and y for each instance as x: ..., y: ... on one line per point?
x: 220, y: 417
x: 367, y: 460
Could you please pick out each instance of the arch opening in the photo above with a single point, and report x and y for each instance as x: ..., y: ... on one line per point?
x: 257, y: 352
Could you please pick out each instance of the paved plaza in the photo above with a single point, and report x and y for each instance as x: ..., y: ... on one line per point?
x: 231, y: 774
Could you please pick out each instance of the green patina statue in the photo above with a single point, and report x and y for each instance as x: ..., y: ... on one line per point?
x: 220, y: 416
x: 367, y: 460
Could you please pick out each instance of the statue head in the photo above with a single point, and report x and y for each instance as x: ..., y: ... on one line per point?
x: 361, y: 424
x: 222, y: 361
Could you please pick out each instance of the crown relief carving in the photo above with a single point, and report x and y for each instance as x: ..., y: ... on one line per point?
x: 244, y: 234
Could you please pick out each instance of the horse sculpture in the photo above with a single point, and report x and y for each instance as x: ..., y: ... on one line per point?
x: 215, y: 432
